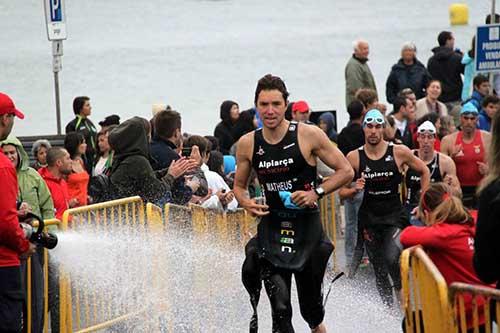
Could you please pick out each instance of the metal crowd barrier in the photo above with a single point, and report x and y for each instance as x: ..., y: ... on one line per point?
x: 328, y: 213
x: 425, y: 294
x: 485, y: 307
x: 29, y: 292
x: 82, y: 309
x: 431, y: 306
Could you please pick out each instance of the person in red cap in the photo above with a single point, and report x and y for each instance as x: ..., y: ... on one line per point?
x: 13, y: 243
x: 301, y: 112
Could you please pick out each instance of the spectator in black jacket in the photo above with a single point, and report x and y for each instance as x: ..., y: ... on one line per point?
x: 168, y: 137
x: 446, y: 66
x: 407, y: 73
x: 81, y: 123
x: 229, y: 114
x: 352, y: 136
x: 486, y: 244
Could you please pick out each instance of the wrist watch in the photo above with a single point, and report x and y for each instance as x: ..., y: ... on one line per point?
x: 319, y: 191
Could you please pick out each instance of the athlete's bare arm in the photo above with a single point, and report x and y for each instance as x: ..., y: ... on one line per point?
x: 483, y: 166
x: 314, y: 143
x: 350, y: 191
x: 404, y: 155
x: 448, y: 146
x: 244, y: 153
x: 449, y: 173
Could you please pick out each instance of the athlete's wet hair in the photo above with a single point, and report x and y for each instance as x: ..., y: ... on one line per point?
x: 271, y: 82
x: 78, y: 103
x: 72, y: 141
x: 442, y: 206
x: 54, y: 154
x: 479, y: 79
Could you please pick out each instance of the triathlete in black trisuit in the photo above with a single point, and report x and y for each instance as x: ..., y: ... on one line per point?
x: 381, y: 217
x: 290, y: 238
x: 441, y: 168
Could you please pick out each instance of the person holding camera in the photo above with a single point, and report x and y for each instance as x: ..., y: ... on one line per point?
x: 13, y: 242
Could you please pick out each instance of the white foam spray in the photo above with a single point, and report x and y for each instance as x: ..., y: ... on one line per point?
x: 190, y: 284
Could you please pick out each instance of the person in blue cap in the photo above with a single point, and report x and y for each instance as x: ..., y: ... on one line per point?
x: 468, y: 148
x: 378, y: 167
x: 290, y: 239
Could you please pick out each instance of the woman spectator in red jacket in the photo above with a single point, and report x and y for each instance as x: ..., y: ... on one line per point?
x: 448, y: 238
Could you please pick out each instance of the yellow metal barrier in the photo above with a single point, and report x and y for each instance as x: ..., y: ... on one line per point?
x: 485, y: 307
x: 80, y: 309
x: 29, y: 291
x: 425, y: 294
x: 328, y: 211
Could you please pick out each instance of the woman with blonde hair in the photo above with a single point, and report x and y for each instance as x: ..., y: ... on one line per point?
x: 487, y: 246
x: 448, y: 239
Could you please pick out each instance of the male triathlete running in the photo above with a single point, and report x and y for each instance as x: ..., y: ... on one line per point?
x: 290, y: 238
x: 467, y: 147
x: 381, y: 217
x: 441, y: 168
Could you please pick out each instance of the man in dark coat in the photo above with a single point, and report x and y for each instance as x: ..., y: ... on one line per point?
x: 407, y: 73
x: 229, y: 114
x: 81, y: 123
x: 446, y: 66
x: 167, y: 138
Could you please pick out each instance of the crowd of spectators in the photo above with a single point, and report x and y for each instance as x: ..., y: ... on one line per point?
x: 154, y: 159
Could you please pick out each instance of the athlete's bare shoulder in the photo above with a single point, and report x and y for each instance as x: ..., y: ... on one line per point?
x: 450, y: 137
x: 353, y: 158
x: 313, y: 134
x: 402, y: 149
x: 245, y: 145
x: 443, y: 158
x: 485, y: 135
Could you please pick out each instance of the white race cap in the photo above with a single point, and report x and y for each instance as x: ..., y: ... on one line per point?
x: 426, y: 126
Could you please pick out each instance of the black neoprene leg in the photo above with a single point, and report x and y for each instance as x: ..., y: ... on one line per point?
x: 278, y: 283
x: 384, y: 255
x: 251, y: 277
x: 310, y: 285
x: 392, y: 252
x: 375, y: 248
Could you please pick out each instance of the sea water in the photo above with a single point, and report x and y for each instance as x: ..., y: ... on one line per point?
x: 193, y: 54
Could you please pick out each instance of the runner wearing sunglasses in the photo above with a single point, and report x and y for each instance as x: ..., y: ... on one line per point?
x: 378, y: 167
x: 467, y: 148
x: 441, y: 168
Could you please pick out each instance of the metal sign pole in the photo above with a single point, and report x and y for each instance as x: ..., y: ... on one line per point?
x: 56, y: 66
x: 55, y: 18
